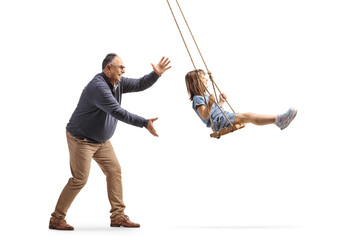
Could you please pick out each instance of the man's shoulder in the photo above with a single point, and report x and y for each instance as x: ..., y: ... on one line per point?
x: 97, y: 83
x: 98, y: 80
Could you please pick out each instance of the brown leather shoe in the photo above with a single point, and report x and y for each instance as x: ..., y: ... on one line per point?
x: 123, y: 221
x: 59, y: 224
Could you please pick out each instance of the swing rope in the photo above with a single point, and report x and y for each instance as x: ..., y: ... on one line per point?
x: 192, y: 61
x: 207, y: 69
x: 226, y: 129
x: 181, y: 35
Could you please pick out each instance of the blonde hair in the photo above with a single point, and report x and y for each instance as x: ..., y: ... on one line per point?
x: 193, y: 83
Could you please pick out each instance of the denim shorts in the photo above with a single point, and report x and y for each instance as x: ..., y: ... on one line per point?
x: 220, y: 121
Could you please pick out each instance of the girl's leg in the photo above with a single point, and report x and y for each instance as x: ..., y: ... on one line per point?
x: 254, y: 118
x: 281, y: 120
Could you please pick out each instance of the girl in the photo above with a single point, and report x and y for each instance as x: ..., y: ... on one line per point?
x: 197, y: 83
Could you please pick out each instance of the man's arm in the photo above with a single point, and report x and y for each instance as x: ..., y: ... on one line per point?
x: 136, y: 85
x: 140, y: 84
x: 102, y: 98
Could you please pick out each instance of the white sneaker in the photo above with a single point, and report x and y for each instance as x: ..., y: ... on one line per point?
x: 283, y: 120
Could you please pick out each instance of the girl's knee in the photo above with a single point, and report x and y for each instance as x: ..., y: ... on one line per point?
x: 243, y: 117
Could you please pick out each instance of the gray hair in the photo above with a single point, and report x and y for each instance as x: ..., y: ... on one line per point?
x: 108, y: 59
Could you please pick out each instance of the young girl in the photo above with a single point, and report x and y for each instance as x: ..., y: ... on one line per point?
x: 204, y: 109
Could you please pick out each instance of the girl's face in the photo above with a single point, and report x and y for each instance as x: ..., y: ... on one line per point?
x: 204, y: 79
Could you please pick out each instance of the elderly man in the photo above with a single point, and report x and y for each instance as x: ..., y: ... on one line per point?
x: 88, y: 132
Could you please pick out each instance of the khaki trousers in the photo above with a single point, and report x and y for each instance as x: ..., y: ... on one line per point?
x: 81, y: 153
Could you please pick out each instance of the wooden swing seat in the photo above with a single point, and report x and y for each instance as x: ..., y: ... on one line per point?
x: 226, y: 130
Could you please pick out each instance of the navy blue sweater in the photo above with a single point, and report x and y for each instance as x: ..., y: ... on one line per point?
x: 96, y: 115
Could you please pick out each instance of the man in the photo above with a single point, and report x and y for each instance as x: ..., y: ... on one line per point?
x: 88, y: 132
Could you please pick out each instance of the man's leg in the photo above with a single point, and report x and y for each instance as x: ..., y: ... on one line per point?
x: 81, y: 153
x: 108, y: 162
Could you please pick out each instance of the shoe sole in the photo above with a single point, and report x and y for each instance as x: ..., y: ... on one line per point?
x: 290, y: 119
x: 115, y: 225
x: 118, y: 225
x: 54, y: 228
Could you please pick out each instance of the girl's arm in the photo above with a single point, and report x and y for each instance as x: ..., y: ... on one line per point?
x: 223, y: 98
x: 204, y: 111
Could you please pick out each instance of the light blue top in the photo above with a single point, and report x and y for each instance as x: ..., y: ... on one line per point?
x: 218, y: 118
x: 215, y: 111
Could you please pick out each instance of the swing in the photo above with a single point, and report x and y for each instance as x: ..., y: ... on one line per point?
x: 225, y: 130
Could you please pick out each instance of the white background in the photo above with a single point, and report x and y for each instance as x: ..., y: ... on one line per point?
x: 257, y: 183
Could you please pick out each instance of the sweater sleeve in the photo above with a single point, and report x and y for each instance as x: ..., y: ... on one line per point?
x: 140, y: 84
x: 102, y: 98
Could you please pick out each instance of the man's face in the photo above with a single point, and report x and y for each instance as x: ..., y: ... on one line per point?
x: 116, y: 69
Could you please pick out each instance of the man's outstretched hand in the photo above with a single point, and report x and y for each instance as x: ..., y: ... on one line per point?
x: 162, y: 66
x: 150, y: 126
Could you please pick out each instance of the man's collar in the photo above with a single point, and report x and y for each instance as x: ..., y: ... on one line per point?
x: 114, y: 86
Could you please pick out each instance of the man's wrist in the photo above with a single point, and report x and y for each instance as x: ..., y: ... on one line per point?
x: 159, y: 75
x: 146, y: 123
